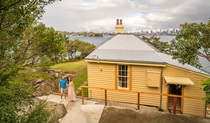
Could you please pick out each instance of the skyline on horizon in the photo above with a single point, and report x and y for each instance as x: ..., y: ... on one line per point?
x: 100, y: 15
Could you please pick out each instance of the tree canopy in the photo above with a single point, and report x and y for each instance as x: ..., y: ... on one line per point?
x: 191, y: 42
x: 163, y: 47
x: 74, y: 46
x: 18, y: 34
x: 40, y: 41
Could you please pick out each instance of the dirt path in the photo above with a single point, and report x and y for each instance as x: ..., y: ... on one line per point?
x: 121, y: 115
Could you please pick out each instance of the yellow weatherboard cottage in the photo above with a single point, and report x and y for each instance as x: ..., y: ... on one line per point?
x: 128, y: 64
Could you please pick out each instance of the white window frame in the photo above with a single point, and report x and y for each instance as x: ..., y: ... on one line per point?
x: 123, y: 76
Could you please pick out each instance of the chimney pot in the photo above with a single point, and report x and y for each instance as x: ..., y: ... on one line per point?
x: 120, y: 21
x: 117, y: 22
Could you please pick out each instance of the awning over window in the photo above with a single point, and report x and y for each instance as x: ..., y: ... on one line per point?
x: 178, y: 80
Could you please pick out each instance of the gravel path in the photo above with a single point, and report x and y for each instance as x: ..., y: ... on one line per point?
x: 122, y: 115
x: 118, y: 112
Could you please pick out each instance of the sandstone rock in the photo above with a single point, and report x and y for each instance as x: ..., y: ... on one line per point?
x: 56, y: 75
x: 59, y: 71
x: 38, y: 81
x: 59, y: 109
x: 51, y: 84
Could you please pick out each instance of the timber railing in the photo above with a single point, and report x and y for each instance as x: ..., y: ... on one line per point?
x: 138, y: 95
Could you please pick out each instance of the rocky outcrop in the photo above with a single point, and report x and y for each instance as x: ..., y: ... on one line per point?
x: 47, y: 86
x: 59, y: 110
x: 53, y: 72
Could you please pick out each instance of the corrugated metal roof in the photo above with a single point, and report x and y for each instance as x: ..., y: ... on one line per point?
x: 130, y: 48
x: 126, y: 42
x: 125, y: 55
x: 168, y: 59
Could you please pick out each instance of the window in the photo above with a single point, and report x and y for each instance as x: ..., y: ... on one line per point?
x: 123, y: 77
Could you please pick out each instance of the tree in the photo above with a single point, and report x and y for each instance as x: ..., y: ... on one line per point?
x: 72, y: 48
x: 40, y: 41
x: 163, y: 47
x: 76, y: 45
x: 85, y: 48
x: 15, y: 17
x: 17, y: 106
x: 191, y: 42
x: 16, y: 96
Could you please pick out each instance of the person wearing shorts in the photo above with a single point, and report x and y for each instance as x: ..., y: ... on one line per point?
x: 62, y: 85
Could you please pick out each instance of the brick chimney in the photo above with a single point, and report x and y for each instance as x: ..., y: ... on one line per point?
x: 119, y: 28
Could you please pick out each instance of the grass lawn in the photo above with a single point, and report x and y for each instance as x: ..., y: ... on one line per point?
x: 78, y: 66
x: 80, y: 79
x: 75, y: 67
x: 85, y: 92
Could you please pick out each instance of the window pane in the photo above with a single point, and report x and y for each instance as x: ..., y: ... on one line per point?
x: 120, y: 73
x: 123, y: 79
x: 120, y: 79
x: 124, y: 84
x: 123, y: 73
x: 123, y: 67
x: 120, y: 84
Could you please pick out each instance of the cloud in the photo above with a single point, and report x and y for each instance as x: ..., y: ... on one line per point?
x: 101, y: 15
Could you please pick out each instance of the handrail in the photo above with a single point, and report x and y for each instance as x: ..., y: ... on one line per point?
x: 138, y: 97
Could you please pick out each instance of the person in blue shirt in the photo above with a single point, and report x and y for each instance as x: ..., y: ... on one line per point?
x: 62, y: 86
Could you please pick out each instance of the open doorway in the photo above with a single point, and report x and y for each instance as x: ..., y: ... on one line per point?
x: 175, y: 90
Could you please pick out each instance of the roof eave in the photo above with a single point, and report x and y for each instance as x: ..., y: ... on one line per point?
x: 148, y: 63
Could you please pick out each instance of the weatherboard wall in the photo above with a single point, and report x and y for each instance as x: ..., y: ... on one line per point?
x: 104, y: 75
x: 189, y: 106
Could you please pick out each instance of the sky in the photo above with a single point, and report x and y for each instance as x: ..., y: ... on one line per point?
x: 137, y: 15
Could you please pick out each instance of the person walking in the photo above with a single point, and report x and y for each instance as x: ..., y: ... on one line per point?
x: 62, y: 87
x: 71, y: 93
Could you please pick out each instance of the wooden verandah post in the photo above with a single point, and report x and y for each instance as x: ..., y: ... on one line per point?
x: 82, y: 95
x: 138, y: 107
x: 105, y: 94
x: 174, y: 109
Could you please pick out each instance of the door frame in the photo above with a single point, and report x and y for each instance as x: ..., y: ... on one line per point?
x: 182, y: 98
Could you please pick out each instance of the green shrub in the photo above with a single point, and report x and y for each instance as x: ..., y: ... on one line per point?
x: 206, y: 87
x: 17, y: 102
x: 16, y: 95
x: 85, y: 92
x: 40, y: 114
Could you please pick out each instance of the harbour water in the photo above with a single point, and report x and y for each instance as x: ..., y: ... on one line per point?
x: 92, y: 40
x: 98, y: 40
